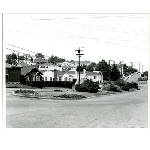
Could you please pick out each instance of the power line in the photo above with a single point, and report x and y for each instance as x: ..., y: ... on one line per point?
x: 93, y: 27
x: 85, y: 37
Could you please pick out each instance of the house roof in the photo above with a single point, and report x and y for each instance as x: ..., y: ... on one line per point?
x: 27, y: 69
x: 91, y: 73
x: 8, y: 65
x: 34, y: 71
x: 68, y: 66
x: 47, y: 64
x: 40, y: 60
x: 84, y: 62
x: 23, y: 64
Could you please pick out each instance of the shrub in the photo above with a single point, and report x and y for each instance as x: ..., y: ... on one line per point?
x: 74, y: 80
x: 66, y: 84
x: 115, y: 88
x: 112, y: 87
x: 87, y: 86
x: 126, y: 87
x: 134, y: 85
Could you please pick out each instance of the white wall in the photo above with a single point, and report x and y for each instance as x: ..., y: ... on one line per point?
x: 49, y: 67
x: 48, y: 74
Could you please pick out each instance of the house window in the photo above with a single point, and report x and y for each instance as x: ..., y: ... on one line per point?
x: 46, y: 66
x: 95, y: 77
x: 59, y: 78
x: 69, y: 79
x: 45, y: 78
x: 51, y: 79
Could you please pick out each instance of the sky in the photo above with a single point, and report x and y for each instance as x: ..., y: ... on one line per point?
x: 116, y: 37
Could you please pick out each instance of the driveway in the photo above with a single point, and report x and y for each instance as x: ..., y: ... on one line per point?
x: 128, y: 110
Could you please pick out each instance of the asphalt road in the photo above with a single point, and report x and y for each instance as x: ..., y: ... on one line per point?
x: 128, y: 110
x: 134, y: 77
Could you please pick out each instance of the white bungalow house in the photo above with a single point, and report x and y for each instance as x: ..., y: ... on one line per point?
x: 57, y: 75
x: 49, y: 66
x: 68, y: 67
x: 95, y: 76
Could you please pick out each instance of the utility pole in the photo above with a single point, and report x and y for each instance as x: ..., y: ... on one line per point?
x: 121, y: 67
x: 79, y: 55
x: 109, y: 69
x: 139, y: 66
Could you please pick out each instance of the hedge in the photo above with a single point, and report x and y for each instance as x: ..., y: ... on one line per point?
x: 66, y: 84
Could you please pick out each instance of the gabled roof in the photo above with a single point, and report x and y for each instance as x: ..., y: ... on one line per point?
x: 34, y: 71
x: 27, y: 69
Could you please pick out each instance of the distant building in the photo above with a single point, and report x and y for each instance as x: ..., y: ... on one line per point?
x: 49, y: 66
x: 76, y: 63
x: 40, y: 60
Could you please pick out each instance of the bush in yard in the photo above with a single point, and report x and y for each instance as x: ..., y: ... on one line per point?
x: 87, y: 86
x: 134, y: 85
x: 112, y: 87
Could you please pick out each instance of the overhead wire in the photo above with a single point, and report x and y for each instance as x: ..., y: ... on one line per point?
x: 72, y: 35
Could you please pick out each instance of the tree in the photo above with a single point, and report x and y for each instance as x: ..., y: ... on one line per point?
x: 128, y: 70
x: 54, y: 59
x: 104, y: 68
x: 114, y: 73
x: 39, y: 55
x: 91, y: 66
x: 11, y: 59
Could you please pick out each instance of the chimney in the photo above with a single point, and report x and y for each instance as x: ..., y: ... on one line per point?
x: 55, y: 75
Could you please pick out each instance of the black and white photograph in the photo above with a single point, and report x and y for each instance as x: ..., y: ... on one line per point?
x: 76, y: 70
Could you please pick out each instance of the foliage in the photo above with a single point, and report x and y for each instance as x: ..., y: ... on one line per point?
x: 81, y: 68
x: 91, y: 66
x: 39, y: 55
x: 144, y: 73
x: 11, y: 59
x: 128, y: 70
x: 119, y: 85
x: 114, y: 73
x: 87, y: 86
x: 54, y: 59
x: 66, y: 84
x: 112, y: 87
x: 74, y: 80
x: 72, y: 96
x: 104, y: 67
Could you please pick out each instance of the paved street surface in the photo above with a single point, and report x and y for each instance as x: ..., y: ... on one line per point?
x: 134, y: 77
x: 128, y: 110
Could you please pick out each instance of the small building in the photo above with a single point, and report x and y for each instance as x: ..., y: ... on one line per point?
x: 40, y: 60
x: 13, y: 73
